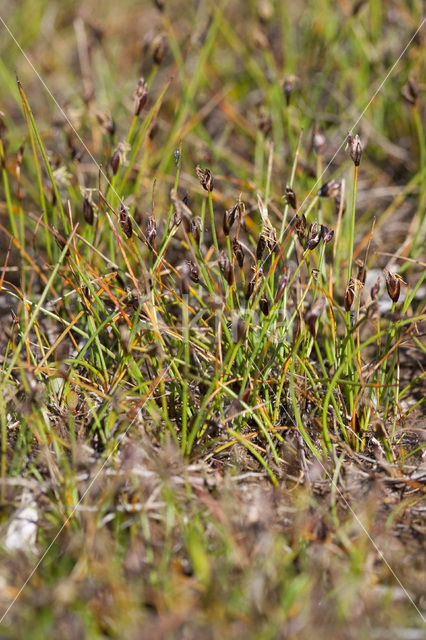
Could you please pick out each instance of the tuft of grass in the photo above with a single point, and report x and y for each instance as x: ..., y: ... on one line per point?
x: 211, y: 399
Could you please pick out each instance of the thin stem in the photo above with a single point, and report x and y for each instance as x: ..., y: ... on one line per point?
x: 352, y: 224
x: 213, y: 225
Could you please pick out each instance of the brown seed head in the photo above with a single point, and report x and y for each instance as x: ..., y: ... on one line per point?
x: 238, y: 252
x: 119, y: 156
x: 261, y: 244
x: 349, y: 294
x: 151, y: 233
x: 88, y: 210
x: 299, y: 223
x: 125, y: 222
x: 226, y: 267
x: 290, y: 197
x: 229, y: 218
x: 250, y: 288
x: 205, y: 177
x: 141, y: 96
x: 314, y: 236
x: 393, y: 284
x: 281, y: 287
x: 330, y: 189
x: 355, y: 148
x: 193, y: 271
x: 361, y: 273
x: 327, y: 234
x: 115, y: 161
x: 267, y: 238
x: 264, y: 305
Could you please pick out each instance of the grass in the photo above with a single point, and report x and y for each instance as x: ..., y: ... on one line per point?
x: 209, y: 401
